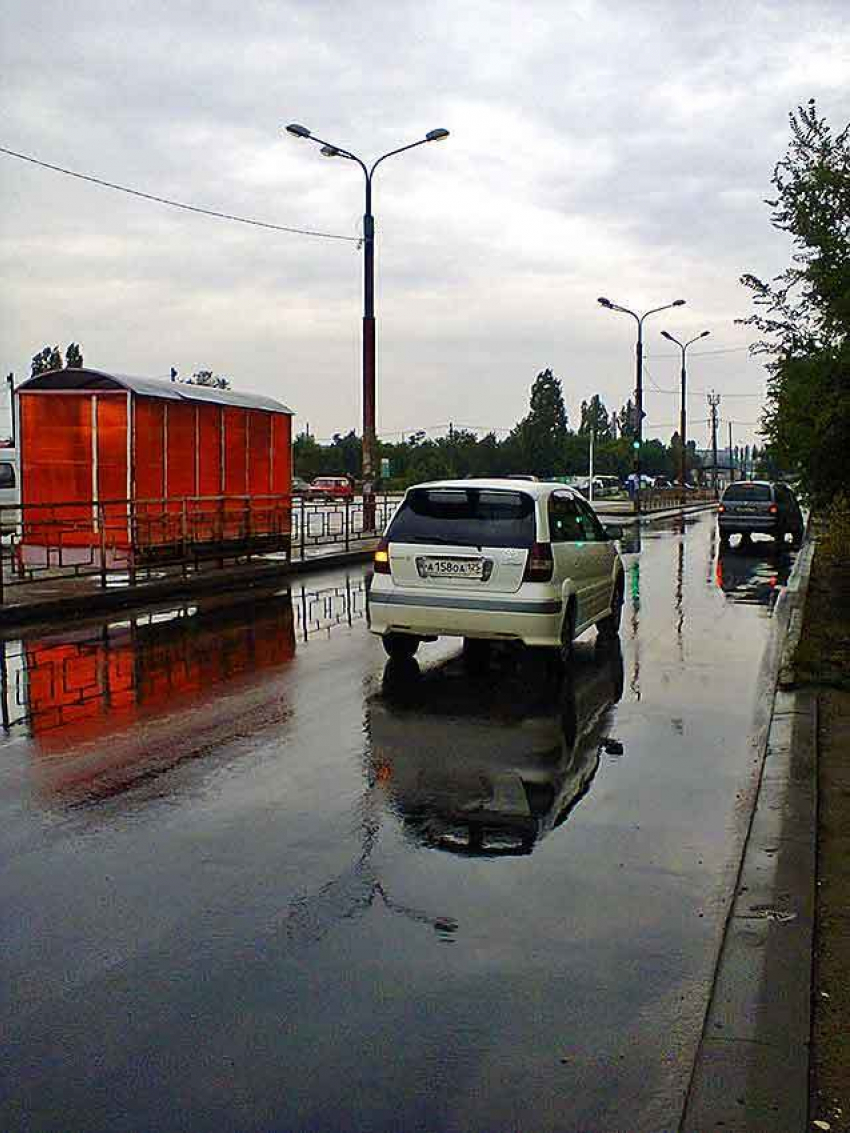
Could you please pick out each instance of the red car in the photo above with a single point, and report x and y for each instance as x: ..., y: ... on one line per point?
x: 331, y: 488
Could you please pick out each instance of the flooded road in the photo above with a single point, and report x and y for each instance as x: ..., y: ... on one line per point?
x: 254, y: 878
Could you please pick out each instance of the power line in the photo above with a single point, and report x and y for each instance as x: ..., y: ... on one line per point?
x: 177, y: 204
x: 706, y: 353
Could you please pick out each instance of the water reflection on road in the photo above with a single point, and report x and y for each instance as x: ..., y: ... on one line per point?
x: 310, y: 890
x: 500, y: 759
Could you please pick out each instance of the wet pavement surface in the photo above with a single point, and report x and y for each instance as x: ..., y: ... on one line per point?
x: 257, y: 879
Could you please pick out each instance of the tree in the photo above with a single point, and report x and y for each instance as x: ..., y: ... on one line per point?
x: 626, y: 420
x: 207, y: 378
x: 73, y: 357
x: 594, y: 418
x: 804, y: 313
x: 46, y: 360
x: 50, y: 358
x: 539, y: 438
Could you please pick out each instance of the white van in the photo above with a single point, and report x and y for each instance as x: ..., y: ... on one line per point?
x: 10, y: 489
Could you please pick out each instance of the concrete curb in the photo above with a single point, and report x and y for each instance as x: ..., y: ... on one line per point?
x: 85, y: 603
x: 751, y: 1073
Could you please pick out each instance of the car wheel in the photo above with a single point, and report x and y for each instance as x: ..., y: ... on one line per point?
x: 724, y: 538
x: 797, y: 538
x: 609, y: 627
x: 399, y: 646
x: 567, y: 647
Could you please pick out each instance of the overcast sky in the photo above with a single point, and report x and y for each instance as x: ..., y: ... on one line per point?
x: 596, y: 149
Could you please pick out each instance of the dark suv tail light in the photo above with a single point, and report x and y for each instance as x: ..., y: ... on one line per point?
x: 540, y: 564
x: 381, y: 561
x: 773, y: 509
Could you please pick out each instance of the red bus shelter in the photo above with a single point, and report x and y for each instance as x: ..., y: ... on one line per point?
x: 144, y: 470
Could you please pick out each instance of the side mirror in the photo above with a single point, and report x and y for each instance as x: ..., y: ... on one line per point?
x: 613, y: 531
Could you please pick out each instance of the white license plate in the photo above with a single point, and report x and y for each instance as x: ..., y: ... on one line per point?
x: 443, y: 567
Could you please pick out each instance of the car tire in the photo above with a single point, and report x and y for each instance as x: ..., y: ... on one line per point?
x: 399, y: 646
x: 476, y: 654
x: 566, y: 650
x: 797, y: 538
x: 724, y: 538
x: 609, y: 627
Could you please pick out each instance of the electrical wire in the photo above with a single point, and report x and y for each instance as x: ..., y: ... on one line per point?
x: 178, y: 204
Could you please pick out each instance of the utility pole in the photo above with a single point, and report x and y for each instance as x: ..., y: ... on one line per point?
x: 10, y: 381
x: 731, y: 458
x: 713, y: 403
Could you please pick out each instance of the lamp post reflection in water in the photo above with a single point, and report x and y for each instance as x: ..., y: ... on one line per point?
x: 634, y: 590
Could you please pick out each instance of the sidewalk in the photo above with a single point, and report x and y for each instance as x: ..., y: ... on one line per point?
x: 775, y: 1051
x: 66, y: 598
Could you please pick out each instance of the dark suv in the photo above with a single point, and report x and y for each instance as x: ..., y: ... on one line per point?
x: 760, y: 507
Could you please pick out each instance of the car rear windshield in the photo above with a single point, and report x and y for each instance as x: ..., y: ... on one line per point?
x: 466, y: 517
x: 751, y: 493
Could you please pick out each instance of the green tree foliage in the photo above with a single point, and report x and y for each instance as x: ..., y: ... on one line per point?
x: 595, y: 419
x: 73, y: 357
x: 47, y: 359
x: 625, y: 420
x: 804, y: 313
x: 207, y: 378
x: 50, y: 358
x: 538, y: 440
x: 542, y: 444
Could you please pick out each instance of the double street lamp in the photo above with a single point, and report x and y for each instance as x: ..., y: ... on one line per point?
x: 683, y: 346
x: 330, y: 150
x: 638, y: 437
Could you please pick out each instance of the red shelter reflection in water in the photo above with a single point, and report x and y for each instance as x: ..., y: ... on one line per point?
x: 123, y: 681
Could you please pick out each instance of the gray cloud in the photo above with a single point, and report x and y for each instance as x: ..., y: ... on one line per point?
x: 593, y: 150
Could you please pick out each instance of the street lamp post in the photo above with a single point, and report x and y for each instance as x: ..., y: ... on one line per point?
x: 683, y: 346
x: 329, y: 150
x: 638, y: 441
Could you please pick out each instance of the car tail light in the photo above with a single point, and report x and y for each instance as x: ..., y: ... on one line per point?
x: 722, y: 507
x: 773, y: 509
x: 381, y: 561
x: 540, y: 564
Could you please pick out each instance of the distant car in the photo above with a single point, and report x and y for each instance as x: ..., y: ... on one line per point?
x: 10, y: 491
x: 493, y: 560
x: 300, y: 487
x: 761, y: 507
x: 331, y: 488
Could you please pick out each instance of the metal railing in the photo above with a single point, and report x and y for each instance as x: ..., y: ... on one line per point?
x: 339, y: 523
x: 659, y: 499
x: 121, y: 541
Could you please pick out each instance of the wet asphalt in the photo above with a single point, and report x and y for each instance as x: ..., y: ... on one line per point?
x: 256, y: 879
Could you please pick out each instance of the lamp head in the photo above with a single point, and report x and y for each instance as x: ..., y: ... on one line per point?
x: 705, y: 334
x: 297, y: 131
x: 436, y: 135
x: 604, y: 302
x: 330, y: 151
x: 664, y: 334
x: 678, y: 302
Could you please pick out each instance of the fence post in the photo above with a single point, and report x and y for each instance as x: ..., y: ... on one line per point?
x: 301, y: 532
x: 184, y: 535
x: 100, y: 524
x: 347, y: 524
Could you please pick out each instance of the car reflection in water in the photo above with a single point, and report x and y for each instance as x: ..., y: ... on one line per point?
x: 745, y: 575
x: 489, y: 766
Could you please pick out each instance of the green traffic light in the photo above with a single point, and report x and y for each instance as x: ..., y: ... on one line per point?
x: 635, y: 444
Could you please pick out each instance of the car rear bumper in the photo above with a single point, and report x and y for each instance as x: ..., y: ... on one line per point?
x: 760, y: 524
x: 534, y: 621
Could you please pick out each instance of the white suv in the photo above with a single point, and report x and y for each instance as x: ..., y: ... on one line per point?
x: 488, y: 560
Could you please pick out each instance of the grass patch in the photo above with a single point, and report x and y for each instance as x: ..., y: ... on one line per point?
x: 823, y: 654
